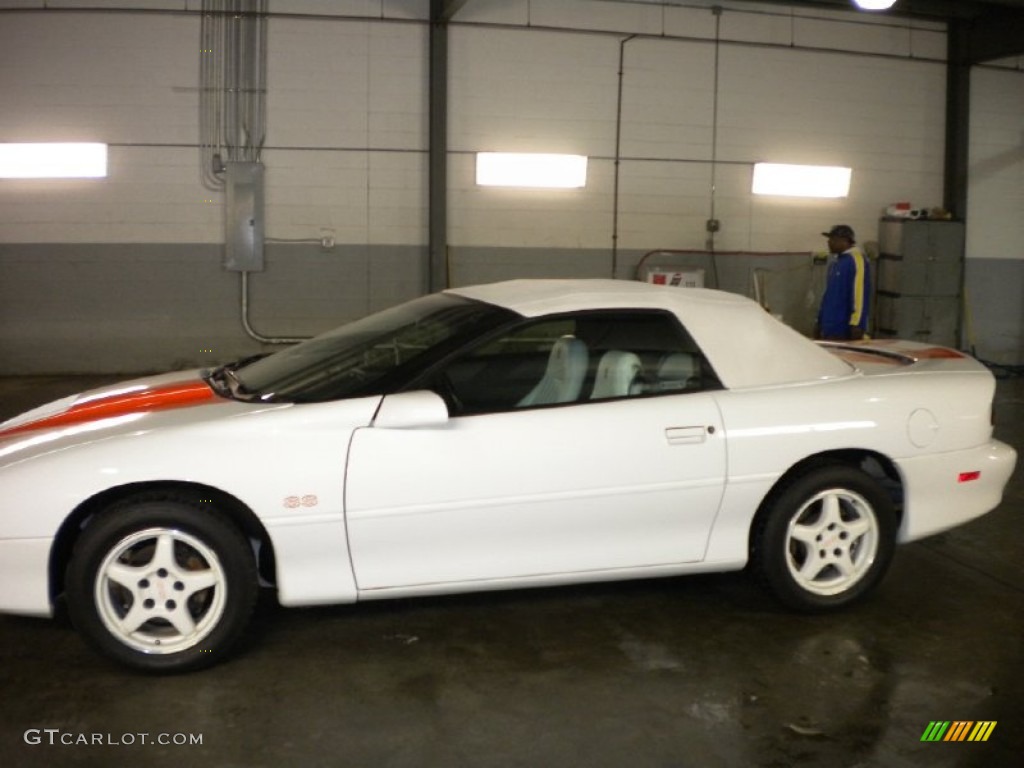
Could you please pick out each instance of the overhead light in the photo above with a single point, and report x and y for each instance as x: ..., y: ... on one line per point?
x: 874, y: 5
x: 801, y: 180
x: 515, y: 169
x: 53, y: 161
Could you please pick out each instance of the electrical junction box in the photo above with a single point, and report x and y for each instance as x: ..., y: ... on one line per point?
x: 243, y: 217
x: 690, y: 278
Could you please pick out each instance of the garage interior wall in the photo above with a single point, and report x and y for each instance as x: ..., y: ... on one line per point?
x: 124, y: 274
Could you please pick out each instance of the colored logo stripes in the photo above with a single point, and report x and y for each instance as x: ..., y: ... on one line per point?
x: 958, y: 730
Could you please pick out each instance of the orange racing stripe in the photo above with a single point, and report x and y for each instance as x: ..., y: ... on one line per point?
x: 171, y: 396
x: 935, y: 353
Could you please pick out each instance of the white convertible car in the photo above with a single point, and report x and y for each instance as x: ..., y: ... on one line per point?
x: 519, y: 434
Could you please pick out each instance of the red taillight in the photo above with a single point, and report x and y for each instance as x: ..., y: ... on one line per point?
x: 966, y: 477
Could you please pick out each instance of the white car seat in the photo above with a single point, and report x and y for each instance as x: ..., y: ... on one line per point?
x: 677, y: 370
x: 616, y: 375
x: 563, y: 378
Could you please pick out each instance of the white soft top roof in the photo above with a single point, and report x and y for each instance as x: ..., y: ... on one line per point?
x: 746, y: 346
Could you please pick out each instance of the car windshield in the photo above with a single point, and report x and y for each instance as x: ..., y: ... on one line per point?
x: 372, y: 355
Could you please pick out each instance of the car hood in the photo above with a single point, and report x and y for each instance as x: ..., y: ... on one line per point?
x: 158, y: 403
x: 144, y: 395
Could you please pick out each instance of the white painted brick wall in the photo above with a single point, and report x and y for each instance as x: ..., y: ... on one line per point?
x: 531, y: 91
x: 882, y: 117
x: 98, y: 77
x: 375, y: 9
x: 348, y: 86
x: 668, y: 96
x: 151, y: 195
x: 996, y: 189
x: 398, y: 101
x: 136, y: 259
x: 581, y: 14
x: 317, y: 83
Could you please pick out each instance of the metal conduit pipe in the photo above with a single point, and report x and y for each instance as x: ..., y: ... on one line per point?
x: 712, y: 224
x: 249, y: 330
x: 232, y: 83
x: 619, y: 145
x: 232, y: 106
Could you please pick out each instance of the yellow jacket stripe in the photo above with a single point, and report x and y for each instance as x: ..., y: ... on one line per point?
x: 859, y: 287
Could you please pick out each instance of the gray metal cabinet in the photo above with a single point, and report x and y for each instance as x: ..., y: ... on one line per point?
x: 920, y: 279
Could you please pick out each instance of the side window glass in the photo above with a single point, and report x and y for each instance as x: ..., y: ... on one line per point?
x: 540, y: 363
x: 643, y: 353
x: 575, y: 359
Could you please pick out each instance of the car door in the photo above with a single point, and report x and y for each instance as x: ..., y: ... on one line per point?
x: 624, y: 470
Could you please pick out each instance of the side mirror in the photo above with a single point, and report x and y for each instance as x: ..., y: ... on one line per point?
x: 411, y: 409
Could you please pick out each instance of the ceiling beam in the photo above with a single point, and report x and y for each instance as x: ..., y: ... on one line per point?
x: 442, y: 11
x: 996, y: 36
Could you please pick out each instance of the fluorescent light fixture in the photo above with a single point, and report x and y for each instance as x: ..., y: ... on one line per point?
x: 510, y: 169
x: 874, y: 5
x: 53, y: 161
x: 801, y: 180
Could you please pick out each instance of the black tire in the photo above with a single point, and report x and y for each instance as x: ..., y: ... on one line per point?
x: 162, y: 584
x: 825, y: 539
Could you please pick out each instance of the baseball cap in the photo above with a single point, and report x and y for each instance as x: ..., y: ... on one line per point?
x: 841, y: 230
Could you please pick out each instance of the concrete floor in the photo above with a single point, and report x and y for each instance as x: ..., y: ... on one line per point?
x: 699, y: 671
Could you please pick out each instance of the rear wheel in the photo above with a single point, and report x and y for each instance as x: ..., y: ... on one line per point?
x: 162, y: 584
x: 826, y: 539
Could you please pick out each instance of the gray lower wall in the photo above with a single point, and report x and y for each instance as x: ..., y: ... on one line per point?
x: 994, y: 318
x: 129, y: 309
x: 136, y: 308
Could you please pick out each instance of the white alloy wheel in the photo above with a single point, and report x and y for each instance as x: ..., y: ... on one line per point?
x: 162, y: 583
x: 832, y: 542
x: 160, y: 590
x: 824, y: 538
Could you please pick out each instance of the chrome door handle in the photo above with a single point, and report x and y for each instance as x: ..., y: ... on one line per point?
x: 686, y: 435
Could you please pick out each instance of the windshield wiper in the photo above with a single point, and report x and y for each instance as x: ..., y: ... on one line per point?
x: 218, y: 381
x: 225, y: 381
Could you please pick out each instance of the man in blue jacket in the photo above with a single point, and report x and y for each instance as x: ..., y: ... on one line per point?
x: 843, y: 315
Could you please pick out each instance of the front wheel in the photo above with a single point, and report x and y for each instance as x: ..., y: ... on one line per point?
x: 162, y: 584
x: 825, y: 539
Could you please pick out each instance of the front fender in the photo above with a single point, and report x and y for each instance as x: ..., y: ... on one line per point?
x: 283, y: 462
